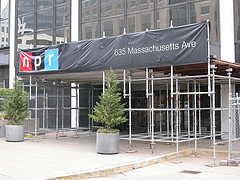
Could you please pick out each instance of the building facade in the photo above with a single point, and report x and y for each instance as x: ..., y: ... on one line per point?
x: 28, y: 24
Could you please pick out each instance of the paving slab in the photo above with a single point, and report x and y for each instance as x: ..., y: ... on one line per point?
x: 38, y: 158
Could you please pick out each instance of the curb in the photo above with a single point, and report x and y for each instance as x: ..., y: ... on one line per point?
x: 135, y: 165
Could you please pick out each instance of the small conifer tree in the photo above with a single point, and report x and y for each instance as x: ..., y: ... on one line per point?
x: 109, y: 110
x: 15, y: 105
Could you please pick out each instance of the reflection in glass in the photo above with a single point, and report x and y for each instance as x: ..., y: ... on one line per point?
x: 89, y: 30
x: 25, y: 41
x: 178, y: 15
x: 44, y: 38
x: 61, y: 1
x: 25, y: 6
x: 4, y: 9
x: 176, y: 1
x: 25, y: 24
x: 144, y: 22
x: 42, y: 4
x: 4, y: 33
x: 111, y: 8
x: 237, y: 19
x: 45, y: 19
x: 89, y: 10
x: 62, y: 16
x: 62, y: 35
x: 200, y: 11
x: 136, y: 5
x: 112, y: 27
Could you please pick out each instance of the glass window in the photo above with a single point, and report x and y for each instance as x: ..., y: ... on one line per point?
x: 25, y: 41
x: 137, y: 5
x: 25, y: 24
x: 201, y: 11
x: 110, y: 8
x: 112, y: 27
x: 45, y: 19
x: 42, y: 4
x: 237, y: 19
x: 89, y: 30
x: 91, y: 7
x: 62, y: 16
x: 131, y: 24
x: 62, y: 35
x: 3, y: 29
x: 205, y: 10
x: 176, y: 1
x: 25, y: 6
x: 178, y: 15
x: 61, y: 1
x: 4, y: 9
x: 44, y: 38
x: 107, y: 27
x: 140, y: 22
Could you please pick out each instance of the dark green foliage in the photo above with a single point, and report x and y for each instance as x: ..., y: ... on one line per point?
x: 109, y: 111
x: 15, y: 105
x: 3, y: 93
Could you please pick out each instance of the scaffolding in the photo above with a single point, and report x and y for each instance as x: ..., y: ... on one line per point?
x: 179, y: 119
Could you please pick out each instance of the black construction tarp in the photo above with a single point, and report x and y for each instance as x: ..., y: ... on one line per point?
x: 180, y: 45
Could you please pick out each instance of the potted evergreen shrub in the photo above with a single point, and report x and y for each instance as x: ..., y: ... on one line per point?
x: 16, y: 110
x: 109, y: 112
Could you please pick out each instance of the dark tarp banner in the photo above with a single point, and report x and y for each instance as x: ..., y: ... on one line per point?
x: 180, y: 45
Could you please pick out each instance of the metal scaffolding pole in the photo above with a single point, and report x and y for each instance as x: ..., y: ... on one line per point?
x: 199, y: 110
x: 177, y: 116
x: 36, y: 106
x: 152, y: 111
x: 229, y: 114
x: 167, y: 110
x: 160, y: 113
x: 172, y: 102
x: 195, y: 115
x: 62, y: 108
x: 188, y: 111
x: 179, y: 106
x: 57, y: 113
x: 213, y: 116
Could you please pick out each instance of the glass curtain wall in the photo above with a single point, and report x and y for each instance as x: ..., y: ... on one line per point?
x: 237, y: 30
x: 110, y: 17
x: 42, y: 23
x: 4, y: 23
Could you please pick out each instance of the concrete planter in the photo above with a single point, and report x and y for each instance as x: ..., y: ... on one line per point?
x: 14, y: 133
x: 107, y: 143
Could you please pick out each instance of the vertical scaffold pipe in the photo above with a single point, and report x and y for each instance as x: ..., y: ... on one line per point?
x: 44, y: 106
x: 62, y: 108
x: 152, y: 111
x: 146, y: 82
x: 103, y: 82
x: 195, y: 114
x: 77, y: 124
x: 57, y: 109
x: 177, y: 115
x: 124, y: 84
x: 167, y: 110
x: 172, y: 102
x: 199, y: 111
x: 36, y: 106
x: 160, y: 112
x: 47, y: 110
x: 209, y: 59
x: 213, y: 117
x: 188, y: 112
x: 229, y: 114
x: 130, y: 111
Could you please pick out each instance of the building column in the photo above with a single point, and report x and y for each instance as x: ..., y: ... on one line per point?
x: 227, y: 30
x: 74, y: 37
x: 12, y: 45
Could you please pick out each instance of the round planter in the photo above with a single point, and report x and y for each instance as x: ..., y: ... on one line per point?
x: 107, y: 143
x: 14, y: 133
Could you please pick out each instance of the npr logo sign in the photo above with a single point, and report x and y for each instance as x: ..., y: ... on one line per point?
x: 35, y: 61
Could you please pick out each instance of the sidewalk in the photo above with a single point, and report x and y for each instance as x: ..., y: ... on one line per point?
x: 48, y: 158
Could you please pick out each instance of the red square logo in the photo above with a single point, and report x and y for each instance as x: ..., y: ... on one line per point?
x: 26, y: 62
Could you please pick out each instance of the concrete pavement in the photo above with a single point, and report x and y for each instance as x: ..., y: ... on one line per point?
x: 69, y: 157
